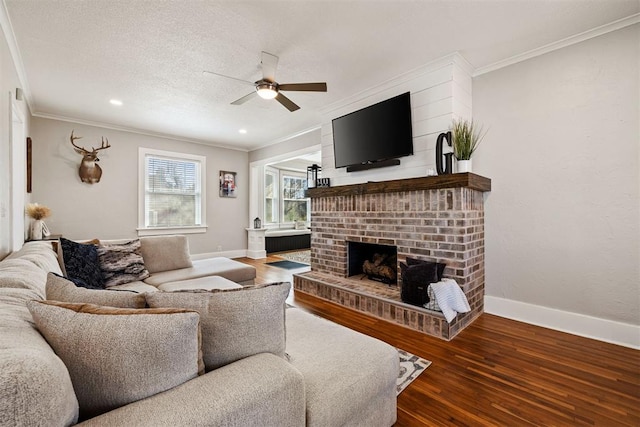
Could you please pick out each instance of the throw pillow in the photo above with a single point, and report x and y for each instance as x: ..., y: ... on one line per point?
x: 121, y: 263
x: 236, y: 323
x: 60, y: 289
x: 162, y: 253
x: 415, y: 279
x: 81, y: 263
x: 433, y: 302
x: 116, y: 356
x: 440, y: 266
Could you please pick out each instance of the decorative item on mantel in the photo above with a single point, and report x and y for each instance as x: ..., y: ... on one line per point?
x: 447, y: 168
x: 312, y: 175
x: 466, y: 138
x: 257, y: 223
x: 38, y: 228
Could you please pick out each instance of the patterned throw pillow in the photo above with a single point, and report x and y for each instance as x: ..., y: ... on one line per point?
x: 81, y: 263
x: 121, y: 263
x: 236, y: 323
x: 116, y: 356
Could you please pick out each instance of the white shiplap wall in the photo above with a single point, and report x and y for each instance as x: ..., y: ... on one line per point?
x: 440, y: 92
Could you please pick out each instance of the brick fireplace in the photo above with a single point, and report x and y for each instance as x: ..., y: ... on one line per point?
x: 433, y: 218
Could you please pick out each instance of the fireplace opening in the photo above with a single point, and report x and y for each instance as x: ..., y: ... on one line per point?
x: 377, y: 262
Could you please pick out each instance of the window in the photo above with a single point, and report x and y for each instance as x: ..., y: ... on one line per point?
x: 270, y: 196
x: 172, y: 192
x: 284, y: 198
x: 294, y: 203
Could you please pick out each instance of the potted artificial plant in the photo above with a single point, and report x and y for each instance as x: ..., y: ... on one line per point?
x: 466, y: 138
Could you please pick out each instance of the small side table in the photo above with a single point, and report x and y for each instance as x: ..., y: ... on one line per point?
x: 256, y: 248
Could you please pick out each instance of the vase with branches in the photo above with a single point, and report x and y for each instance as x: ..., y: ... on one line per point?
x: 467, y: 136
x: 38, y: 213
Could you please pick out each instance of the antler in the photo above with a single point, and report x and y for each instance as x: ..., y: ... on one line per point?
x: 84, y: 150
x: 102, y: 146
x: 73, y: 138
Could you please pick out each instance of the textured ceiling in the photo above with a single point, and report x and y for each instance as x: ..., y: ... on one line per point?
x: 77, y: 55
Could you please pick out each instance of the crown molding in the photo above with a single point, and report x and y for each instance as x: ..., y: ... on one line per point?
x: 135, y: 130
x: 7, y: 29
x: 571, y: 40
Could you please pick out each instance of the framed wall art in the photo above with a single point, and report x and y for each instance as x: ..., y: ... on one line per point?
x: 227, y: 184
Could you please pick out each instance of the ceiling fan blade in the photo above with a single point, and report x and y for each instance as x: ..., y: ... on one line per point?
x: 288, y: 104
x: 245, y: 98
x: 228, y: 77
x: 269, y: 63
x: 304, y: 87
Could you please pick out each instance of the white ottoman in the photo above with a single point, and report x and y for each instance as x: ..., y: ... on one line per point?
x: 205, y: 283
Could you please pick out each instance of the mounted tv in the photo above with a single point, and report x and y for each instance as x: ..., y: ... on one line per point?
x: 375, y: 136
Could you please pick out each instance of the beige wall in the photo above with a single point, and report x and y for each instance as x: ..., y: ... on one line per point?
x: 562, y: 219
x: 109, y: 209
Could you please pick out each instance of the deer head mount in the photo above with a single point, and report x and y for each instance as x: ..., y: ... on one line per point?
x: 89, y: 171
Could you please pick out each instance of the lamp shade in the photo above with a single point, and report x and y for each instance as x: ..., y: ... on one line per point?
x: 267, y: 91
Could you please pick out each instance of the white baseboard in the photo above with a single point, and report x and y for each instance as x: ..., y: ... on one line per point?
x: 619, y: 333
x: 256, y: 254
x: 238, y: 253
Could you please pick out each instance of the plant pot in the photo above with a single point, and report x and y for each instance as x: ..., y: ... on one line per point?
x: 35, y: 231
x: 464, y: 166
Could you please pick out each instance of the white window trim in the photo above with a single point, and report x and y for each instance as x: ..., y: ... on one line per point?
x: 294, y: 174
x: 276, y: 176
x: 151, y: 231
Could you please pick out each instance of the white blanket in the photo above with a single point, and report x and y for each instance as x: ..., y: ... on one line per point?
x: 450, y: 298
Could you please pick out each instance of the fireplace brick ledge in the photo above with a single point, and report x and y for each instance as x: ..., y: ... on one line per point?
x: 456, y: 180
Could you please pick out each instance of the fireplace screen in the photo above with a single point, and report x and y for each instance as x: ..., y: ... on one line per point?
x: 377, y: 262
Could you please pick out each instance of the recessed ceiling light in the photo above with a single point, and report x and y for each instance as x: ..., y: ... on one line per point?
x: 242, y: 131
x: 116, y: 102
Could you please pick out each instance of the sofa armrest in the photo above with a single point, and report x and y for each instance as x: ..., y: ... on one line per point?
x: 259, y: 390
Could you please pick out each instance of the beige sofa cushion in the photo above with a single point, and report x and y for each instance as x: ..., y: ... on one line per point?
x: 337, y: 394
x: 235, y: 323
x: 21, y: 273
x: 162, y: 253
x: 218, y: 266
x: 35, y: 387
x: 60, y: 289
x: 117, y: 356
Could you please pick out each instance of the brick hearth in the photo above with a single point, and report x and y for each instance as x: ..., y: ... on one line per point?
x: 435, y: 218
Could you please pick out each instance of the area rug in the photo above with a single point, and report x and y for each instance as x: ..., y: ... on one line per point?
x: 411, y: 366
x: 289, y: 265
x: 297, y: 256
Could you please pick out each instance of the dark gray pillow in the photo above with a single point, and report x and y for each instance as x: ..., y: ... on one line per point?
x: 440, y: 266
x: 415, y: 281
x: 81, y: 264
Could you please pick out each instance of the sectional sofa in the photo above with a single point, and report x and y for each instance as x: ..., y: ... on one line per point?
x: 267, y: 365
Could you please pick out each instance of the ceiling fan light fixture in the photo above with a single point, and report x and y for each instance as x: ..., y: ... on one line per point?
x: 267, y: 90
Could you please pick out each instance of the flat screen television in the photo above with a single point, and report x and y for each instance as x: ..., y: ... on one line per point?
x: 374, y: 134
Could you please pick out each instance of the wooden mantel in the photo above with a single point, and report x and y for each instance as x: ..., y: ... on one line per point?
x: 456, y: 180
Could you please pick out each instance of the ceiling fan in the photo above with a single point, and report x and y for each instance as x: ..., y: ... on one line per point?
x: 268, y: 88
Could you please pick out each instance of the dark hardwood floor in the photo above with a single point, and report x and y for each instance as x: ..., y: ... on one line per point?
x: 499, y: 371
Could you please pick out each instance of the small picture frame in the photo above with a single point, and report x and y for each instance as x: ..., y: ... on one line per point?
x: 228, y: 184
